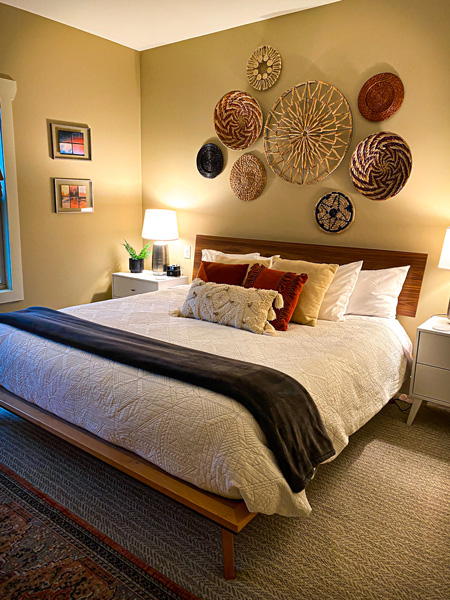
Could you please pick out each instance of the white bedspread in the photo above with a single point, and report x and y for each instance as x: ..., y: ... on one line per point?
x: 351, y: 369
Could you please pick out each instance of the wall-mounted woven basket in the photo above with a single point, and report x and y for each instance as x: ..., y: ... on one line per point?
x: 238, y: 120
x: 248, y: 177
x: 381, y: 165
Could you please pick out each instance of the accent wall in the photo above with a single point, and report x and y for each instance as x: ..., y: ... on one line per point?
x: 344, y: 44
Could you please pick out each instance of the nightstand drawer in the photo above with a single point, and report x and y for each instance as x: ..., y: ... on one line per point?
x: 431, y: 382
x: 434, y: 350
x: 125, y: 286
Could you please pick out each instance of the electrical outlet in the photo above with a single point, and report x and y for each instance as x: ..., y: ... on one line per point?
x: 187, y: 252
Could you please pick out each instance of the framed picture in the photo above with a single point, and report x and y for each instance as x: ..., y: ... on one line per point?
x: 73, y: 195
x: 70, y: 141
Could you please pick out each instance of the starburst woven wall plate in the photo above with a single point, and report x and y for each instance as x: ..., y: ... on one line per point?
x: 308, y: 132
x: 263, y: 68
x: 381, y: 165
x: 238, y: 120
x: 334, y: 212
x: 248, y: 177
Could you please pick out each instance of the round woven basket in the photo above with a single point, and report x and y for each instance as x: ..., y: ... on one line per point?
x: 263, y: 68
x: 307, y: 132
x: 381, y: 165
x: 209, y: 161
x: 381, y: 96
x: 248, y: 177
x: 238, y: 120
x: 334, y: 212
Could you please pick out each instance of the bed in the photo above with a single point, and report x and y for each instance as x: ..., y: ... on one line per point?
x: 196, y: 446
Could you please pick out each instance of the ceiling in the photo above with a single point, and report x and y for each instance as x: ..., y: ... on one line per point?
x: 143, y: 24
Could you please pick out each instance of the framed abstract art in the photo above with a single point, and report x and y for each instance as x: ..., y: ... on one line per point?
x: 70, y: 141
x: 73, y: 195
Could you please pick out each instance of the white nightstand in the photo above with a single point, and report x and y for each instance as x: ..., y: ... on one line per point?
x: 430, y: 377
x: 130, y: 284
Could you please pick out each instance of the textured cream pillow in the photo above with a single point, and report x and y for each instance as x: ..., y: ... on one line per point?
x: 231, y: 305
x: 320, y: 275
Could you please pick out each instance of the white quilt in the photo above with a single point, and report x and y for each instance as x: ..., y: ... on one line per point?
x: 351, y: 369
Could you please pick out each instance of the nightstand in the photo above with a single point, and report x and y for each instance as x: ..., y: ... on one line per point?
x: 130, y: 284
x: 430, y: 376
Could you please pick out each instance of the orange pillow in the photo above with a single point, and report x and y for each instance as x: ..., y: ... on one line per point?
x: 222, y: 273
x: 289, y: 285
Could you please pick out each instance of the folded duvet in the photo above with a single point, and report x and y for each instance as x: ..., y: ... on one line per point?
x: 281, y: 406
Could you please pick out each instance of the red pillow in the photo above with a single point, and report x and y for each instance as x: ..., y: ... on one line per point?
x: 289, y: 285
x: 222, y: 273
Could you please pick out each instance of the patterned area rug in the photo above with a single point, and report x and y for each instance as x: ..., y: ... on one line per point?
x: 380, y: 526
x: 48, y: 553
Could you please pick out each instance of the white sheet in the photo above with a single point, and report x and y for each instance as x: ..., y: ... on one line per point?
x: 350, y: 368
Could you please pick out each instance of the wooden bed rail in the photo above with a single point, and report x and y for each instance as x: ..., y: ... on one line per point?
x: 231, y: 515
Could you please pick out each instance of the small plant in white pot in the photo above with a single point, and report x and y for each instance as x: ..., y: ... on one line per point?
x: 136, y: 261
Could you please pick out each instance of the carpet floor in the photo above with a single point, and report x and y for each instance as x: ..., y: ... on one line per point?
x: 380, y: 527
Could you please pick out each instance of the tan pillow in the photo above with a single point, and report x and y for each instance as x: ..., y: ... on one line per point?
x: 231, y: 305
x: 320, y: 276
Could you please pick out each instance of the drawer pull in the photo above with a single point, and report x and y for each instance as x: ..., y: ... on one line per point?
x: 133, y: 289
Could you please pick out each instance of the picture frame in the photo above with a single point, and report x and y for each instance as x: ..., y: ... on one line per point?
x: 73, y: 195
x: 70, y: 141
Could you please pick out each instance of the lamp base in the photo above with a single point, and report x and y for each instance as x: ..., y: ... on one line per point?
x: 160, y: 258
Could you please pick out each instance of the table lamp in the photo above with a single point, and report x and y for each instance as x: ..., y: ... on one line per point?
x: 444, y: 263
x: 160, y: 225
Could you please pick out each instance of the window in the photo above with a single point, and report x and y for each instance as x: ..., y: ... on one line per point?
x: 3, y: 215
x: 11, y: 285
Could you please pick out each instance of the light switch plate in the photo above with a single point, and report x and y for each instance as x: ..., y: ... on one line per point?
x: 187, y: 252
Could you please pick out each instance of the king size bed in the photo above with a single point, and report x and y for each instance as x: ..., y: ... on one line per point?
x: 196, y: 445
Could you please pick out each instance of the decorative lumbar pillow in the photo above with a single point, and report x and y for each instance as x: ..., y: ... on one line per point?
x: 376, y: 292
x: 231, y: 305
x: 232, y: 274
x: 320, y: 276
x: 289, y: 285
x: 336, y: 299
x: 211, y: 255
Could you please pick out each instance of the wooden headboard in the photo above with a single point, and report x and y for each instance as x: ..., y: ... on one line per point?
x: 373, y: 259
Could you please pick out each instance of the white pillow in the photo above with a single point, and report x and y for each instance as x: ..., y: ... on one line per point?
x: 337, y: 296
x: 376, y: 292
x: 211, y: 255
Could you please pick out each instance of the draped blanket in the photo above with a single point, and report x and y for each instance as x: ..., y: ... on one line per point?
x: 282, y: 407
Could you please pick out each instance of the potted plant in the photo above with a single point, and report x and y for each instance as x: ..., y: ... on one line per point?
x: 136, y: 261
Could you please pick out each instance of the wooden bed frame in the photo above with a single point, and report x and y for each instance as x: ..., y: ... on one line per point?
x: 231, y: 515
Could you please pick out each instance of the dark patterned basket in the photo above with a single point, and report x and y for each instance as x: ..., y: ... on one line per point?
x: 381, y: 165
x: 334, y: 212
x: 209, y: 161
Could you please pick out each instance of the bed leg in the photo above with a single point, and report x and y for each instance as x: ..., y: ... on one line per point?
x: 228, y: 554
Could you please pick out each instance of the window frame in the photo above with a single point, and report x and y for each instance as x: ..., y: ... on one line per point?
x: 12, y: 290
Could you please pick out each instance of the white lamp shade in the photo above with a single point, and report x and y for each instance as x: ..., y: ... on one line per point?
x: 444, y: 262
x: 160, y: 224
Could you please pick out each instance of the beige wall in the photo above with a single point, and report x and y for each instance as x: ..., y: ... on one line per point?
x: 344, y: 44
x: 65, y: 74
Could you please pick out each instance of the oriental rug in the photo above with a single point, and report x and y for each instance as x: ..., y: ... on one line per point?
x: 49, y: 553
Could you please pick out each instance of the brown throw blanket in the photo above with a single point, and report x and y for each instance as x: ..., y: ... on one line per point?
x: 281, y: 406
